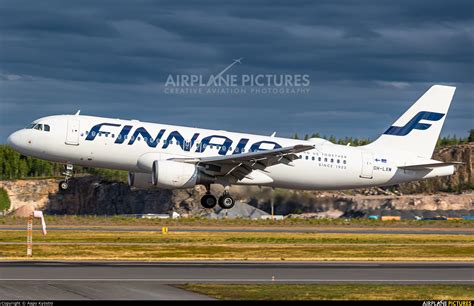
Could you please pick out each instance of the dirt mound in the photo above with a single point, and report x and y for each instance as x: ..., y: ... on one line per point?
x: 23, y: 211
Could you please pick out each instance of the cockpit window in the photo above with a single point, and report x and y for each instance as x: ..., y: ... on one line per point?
x: 39, y: 127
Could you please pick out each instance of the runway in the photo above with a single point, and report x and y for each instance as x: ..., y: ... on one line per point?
x: 142, y: 280
x: 387, y: 230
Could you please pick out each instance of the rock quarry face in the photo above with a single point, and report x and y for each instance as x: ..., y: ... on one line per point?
x: 33, y: 193
x: 463, y: 177
x: 91, y: 195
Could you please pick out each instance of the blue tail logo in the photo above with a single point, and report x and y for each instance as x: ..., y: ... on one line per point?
x: 414, y: 123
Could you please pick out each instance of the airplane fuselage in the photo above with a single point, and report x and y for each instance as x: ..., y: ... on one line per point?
x: 122, y: 144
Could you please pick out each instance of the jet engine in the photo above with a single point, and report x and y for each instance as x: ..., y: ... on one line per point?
x: 140, y: 180
x: 173, y: 175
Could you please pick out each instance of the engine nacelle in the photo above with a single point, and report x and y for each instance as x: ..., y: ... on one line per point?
x: 140, y: 180
x: 173, y: 175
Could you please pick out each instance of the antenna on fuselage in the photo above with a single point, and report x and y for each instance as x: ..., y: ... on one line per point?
x: 77, y: 113
x: 273, y: 135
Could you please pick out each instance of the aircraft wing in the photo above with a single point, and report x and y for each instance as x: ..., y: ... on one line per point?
x: 240, y: 165
x: 429, y: 166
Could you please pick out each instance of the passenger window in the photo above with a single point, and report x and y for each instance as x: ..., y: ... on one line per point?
x: 312, y: 158
x: 319, y: 158
x: 338, y: 161
x: 306, y: 157
x: 332, y: 160
x: 344, y: 162
x: 325, y: 160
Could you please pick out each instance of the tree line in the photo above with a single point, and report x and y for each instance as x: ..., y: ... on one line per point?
x: 442, y: 141
x: 13, y: 165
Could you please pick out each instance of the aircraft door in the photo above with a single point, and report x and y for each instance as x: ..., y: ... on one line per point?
x: 367, y: 165
x: 72, y: 133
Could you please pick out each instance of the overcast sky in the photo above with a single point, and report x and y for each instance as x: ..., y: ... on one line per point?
x: 367, y: 61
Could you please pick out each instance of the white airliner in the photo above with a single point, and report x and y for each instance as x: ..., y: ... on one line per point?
x: 169, y: 156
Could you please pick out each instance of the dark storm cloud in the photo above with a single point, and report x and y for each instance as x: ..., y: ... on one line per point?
x: 366, y: 60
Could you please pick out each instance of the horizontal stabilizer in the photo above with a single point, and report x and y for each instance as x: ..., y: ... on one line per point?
x: 429, y: 166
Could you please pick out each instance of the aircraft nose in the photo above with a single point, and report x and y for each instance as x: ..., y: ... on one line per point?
x: 15, y: 140
x: 12, y: 139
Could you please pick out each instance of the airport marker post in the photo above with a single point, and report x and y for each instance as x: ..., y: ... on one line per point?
x: 29, y: 236
x: 272, y: 202
x: 29, y: 230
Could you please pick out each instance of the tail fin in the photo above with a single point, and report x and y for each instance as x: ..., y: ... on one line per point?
x: 417, y: 130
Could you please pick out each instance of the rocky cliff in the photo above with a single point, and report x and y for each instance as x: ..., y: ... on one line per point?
x: 462, y: 179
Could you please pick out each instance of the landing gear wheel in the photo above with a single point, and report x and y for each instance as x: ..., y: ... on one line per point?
x: 208, y: 201
x: 68, y: 173
x: 226, y: 201
x: 63, y: 185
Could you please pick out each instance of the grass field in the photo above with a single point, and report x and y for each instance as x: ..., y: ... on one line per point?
x: 75, y: 245
x: 136, y: 222
x: 333, y: 292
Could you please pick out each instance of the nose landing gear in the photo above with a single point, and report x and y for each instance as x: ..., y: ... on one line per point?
x: 68, y: 173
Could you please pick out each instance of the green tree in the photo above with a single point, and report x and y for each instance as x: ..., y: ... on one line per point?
x: 4, y: 200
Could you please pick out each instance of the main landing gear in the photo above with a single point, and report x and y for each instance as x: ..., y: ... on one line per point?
x: 68, y: 173
x: 225, y: 200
